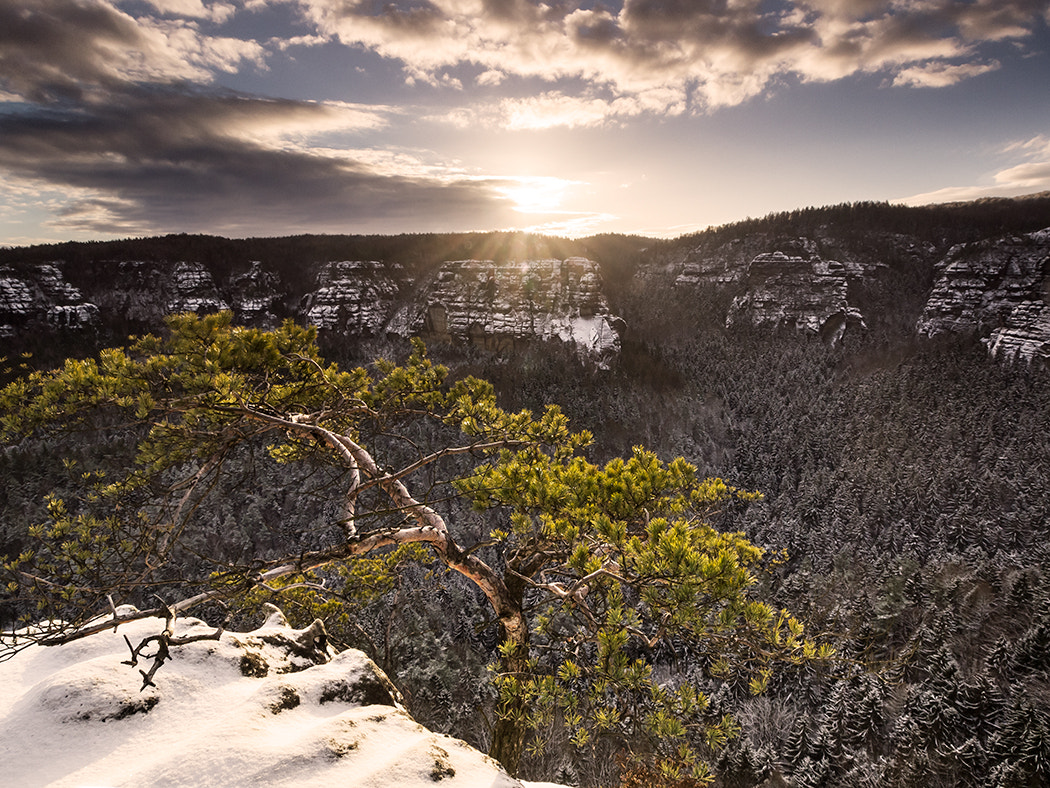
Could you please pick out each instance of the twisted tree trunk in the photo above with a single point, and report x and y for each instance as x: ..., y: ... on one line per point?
x: 511, y: 728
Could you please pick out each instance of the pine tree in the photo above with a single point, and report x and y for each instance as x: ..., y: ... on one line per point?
x: 593, y: 565
x: 1022, y: 747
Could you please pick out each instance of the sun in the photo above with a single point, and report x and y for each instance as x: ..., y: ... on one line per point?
x: 535, y: 193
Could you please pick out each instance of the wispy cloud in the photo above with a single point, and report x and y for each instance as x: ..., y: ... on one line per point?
x: 556, y: 109
x: 939, y: 74
x: 1033, y: 172
x: 195, y: 9
x: 1028, y: 171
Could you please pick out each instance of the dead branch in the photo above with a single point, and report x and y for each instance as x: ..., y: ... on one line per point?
x: 164, y: 641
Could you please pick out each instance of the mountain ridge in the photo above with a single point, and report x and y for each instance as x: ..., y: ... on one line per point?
x: 827, y: 271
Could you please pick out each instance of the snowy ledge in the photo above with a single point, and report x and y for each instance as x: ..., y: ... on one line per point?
x: 248, y: 709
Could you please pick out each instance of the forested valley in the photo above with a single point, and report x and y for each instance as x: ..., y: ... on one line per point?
x: 905, y: 513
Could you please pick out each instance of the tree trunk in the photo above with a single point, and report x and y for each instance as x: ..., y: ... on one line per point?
x: 511, y: 729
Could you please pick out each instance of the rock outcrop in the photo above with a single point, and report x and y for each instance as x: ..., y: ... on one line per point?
x: 143, y: 293
x: 999, y: 289
x: 273, y: 707
x: 35, y: 298
x: 804, y: 293
x: 256, y: 297
x: 352, y: 297
x: 496, y: 305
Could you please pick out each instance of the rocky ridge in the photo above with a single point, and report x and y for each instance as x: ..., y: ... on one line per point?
x: 493, y: 305
x: 821, y: 284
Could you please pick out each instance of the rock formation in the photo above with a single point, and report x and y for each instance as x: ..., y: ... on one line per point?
x: 352, y: 297
x: 999, y: 289
x: 142, y: 293
x: 495, y: 305
x: 797, y: 292
x: 35, y: 298
x: 256, y: 296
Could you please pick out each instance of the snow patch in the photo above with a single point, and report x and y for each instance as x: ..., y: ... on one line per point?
x: 272, y: 707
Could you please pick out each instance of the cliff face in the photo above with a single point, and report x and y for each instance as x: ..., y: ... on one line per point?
x: 256, y: 296
x: 828, y: 284
x: 40, y: 299
x: 805, y: 284
x: 352, y: 297
x: 142, y: 293
x: 493, y: 305
x: 803, y: 293
x: 999, y: 289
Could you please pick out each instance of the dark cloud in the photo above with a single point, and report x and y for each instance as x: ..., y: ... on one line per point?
x: 173, y: 161
x: 53, y: 48
x: 71, y: 49
x: 120, y: 112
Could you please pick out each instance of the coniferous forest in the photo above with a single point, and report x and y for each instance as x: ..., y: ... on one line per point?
x: 905, y: 512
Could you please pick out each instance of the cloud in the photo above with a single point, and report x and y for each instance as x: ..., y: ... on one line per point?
x: 1033, y: 172
x: 213, y: 12
x: 170, y: 161
x: 1027, y: 173
x: 717, y: 53
x: 53, y: 50
x: 122, y: 114
x: 939, y: 74
x: 556, y: 109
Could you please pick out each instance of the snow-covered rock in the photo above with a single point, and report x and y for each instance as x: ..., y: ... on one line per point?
x: 39, y: 297
x: 256, y: 296
x: 272, y: 707
x: 352, y: 296
x: 146, y: 292
x: 999, y: 289
x: 805, y: 293
x: 494, y: 305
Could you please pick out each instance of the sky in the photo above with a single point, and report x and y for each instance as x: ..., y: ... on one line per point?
x: 259, y: 118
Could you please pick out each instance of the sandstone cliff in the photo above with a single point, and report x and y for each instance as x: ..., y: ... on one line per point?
x: 828, y: 283
x: 999, y: 289
x: 38, y: 298
x: 802, y: 293
x: 493, y: 305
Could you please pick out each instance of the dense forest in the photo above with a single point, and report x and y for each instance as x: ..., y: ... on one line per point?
x: 905, y: 509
